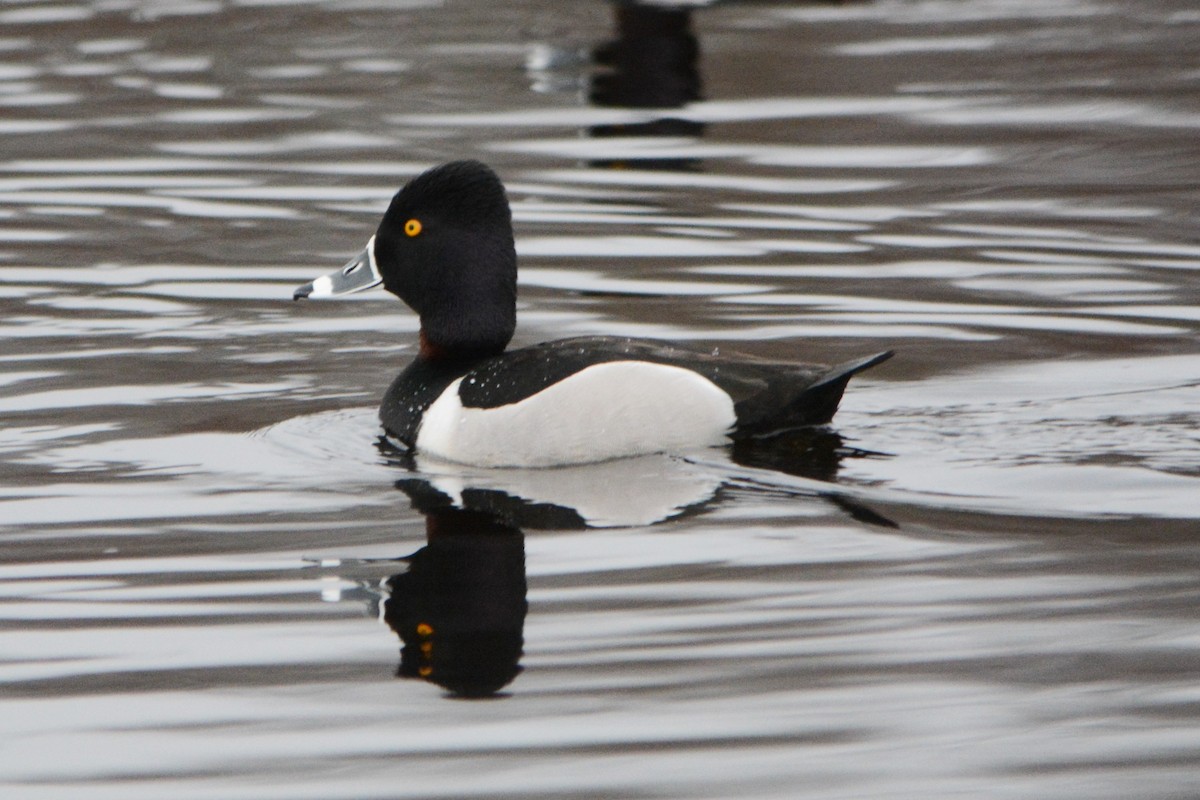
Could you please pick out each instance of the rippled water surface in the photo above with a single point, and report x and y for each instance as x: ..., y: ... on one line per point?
x: 982, y: 581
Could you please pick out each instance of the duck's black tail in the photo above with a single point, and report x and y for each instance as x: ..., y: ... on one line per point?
x: 820, y: 400
x: 798, y: 400
x: 842, y: 373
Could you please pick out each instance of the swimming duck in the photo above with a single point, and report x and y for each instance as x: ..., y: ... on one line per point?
x: 445, y: 247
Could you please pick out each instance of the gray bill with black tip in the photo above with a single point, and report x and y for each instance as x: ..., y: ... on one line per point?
x: 360, y: 273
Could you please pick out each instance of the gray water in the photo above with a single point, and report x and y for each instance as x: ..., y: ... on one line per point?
x: 982, y: 581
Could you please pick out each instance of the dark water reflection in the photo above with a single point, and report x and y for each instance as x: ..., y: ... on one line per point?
x: 981, y: 582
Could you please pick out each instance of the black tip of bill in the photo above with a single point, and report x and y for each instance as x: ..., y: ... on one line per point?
x: 303, y: 292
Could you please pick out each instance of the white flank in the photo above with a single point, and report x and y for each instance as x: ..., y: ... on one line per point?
x: 613, y: 410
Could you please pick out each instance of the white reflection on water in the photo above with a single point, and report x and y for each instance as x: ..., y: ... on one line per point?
x: 130, y: 395
x: 133, y: 305
x: 189, y: 91
x: 291, y: 143
x: 882, y: 311
x: 231, y: 115
x: 933, y: 44
x: 32, y: 235
x: 19, y: 377
x: 824, y: 157
x: 854, y: 213
x: 709, y: 180
x: 87, y: 200
x: 948, y: 12
x: 940, y: 241
x: 591, y: 247
x: 587, y: 281
x: 755, y: 108
x: 999, y: 112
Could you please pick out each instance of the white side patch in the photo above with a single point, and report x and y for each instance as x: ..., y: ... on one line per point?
x: 612, y: 410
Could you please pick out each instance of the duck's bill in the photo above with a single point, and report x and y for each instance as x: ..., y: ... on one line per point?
x: 360, y: 273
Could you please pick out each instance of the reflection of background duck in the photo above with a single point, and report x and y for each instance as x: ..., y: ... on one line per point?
x: 460, y: 608
x: 652, y: 63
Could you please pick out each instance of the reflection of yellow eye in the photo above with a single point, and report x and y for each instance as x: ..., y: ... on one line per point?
x: 412, y: 227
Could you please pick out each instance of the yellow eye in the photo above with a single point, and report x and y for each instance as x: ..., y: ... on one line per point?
x: 412, y: 227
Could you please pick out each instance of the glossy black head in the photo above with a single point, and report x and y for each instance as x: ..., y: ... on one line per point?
x: 445, y: 247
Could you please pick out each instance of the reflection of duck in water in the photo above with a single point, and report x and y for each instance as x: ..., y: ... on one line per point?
x: 635, y: 491
x: 611, y: 494
x: 445, y: 246
x: 460, y: 608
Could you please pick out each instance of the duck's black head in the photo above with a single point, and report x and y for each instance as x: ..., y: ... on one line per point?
x: 444, y: 247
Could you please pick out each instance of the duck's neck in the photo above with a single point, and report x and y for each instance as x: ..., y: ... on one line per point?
x: 428, y: 351
x: 467, y: 331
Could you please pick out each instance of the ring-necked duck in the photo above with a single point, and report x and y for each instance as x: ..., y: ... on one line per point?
x: 445, y: 247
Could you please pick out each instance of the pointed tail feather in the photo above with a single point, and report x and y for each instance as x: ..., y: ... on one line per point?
x: 842, y: 373
x: 820, y: 400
